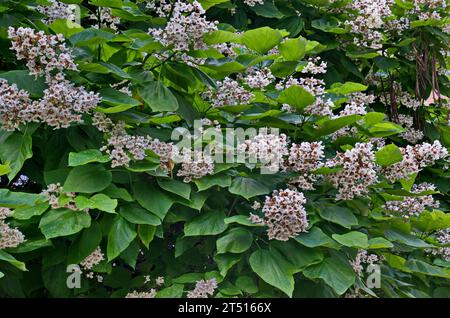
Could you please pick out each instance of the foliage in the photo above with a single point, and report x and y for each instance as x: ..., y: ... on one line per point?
x: 371, y: 99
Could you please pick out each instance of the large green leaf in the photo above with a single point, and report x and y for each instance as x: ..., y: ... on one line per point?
x: 237, y: 240
x: 247, y: 187
x: 293, y: 49
x: 10, y: 259
x: 15, y: 151
x: 352, y: 239
x: 335, y: 272
x: 158, y: 97
x: 135, y: 214
x: 85, y: 244
x: 87, y: 179
x: 152, y: 199
x: 337, y: 214
x: 262, y: 39
x: 87, y: 156
x: 63, y: 222
x: 388, y: 155
x: 120, y: 236
x: 296, y: 96
x: 274, y: 269
x: 207, y: 223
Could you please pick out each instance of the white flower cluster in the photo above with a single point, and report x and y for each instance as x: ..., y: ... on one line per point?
x: 315, y: 66
x: 305, y: 158
x: 14, y: 105
x: 267, y: 149
x: 186, y: 26
x: 284, y: 214
x: 358, y: 171
x: 105, y: 19
x: 369, y: 21
x: 93, y: 259
x: 409, y: 101
x: 363, y: 258
x: 259, y: 78
x: 429, y: 9
x: 59, y: 199
x: 9, y: 237
x: 410, y: 134
x: 64, y: 104
x: 443, y: 237
x: 356, y: 105
x: 195, y: 165
x: 44, y: 54
x: 415, y: 158
x: 252, y: 3
x: 122, y: 148
x: 56, y: 10
x: 414, y: 206
x: 136, y: 294
x: 203, y: 288
x: 228, y: 93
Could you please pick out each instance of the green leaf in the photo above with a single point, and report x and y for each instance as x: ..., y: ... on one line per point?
x: 149, y: 197
x: 120, y: 236
x: 11, y: 260
x: 91, y: 36
x: 220, y: 36
x: 272, y: 267
x: 99, y: 201
x: 314, y: 238
x: 174, y: 291
x: 406, y: 239
x: 158, y: 97
x: 137, y: 215
x: 388, y: 155
x: 207, y: 223
x: 299, y: 256
x: 85, y: 244
x: 4, y: 169
x: 63, y: 222
x: 338, y: 215
x: 177, y: 187
x: 114, y: 97
x: 30, y: 245
x: 226, y: 261
x: 146, y: 234
x: 346, y: 88
x: 432, y: 221
x: 293, y: 49
x: 87, y: 179
x: 10, y: 199
x: 379, y: 242
x: 253, y: 39
x: 242, y: 220
x: 26, y: 213
x: 65, y: 27
x: 419, y: 266
x: 86, y: 156
x: 329, y: 126
x: 15, y: 151
x: 335, y: 272
x: 247, y: 187
x: 23, y: 80
x: 206, y: 4
x: 207, y: 182
x: 296, y: 96
x: 352, y: 239
x: 237, y: 240
x: 385, y: 129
